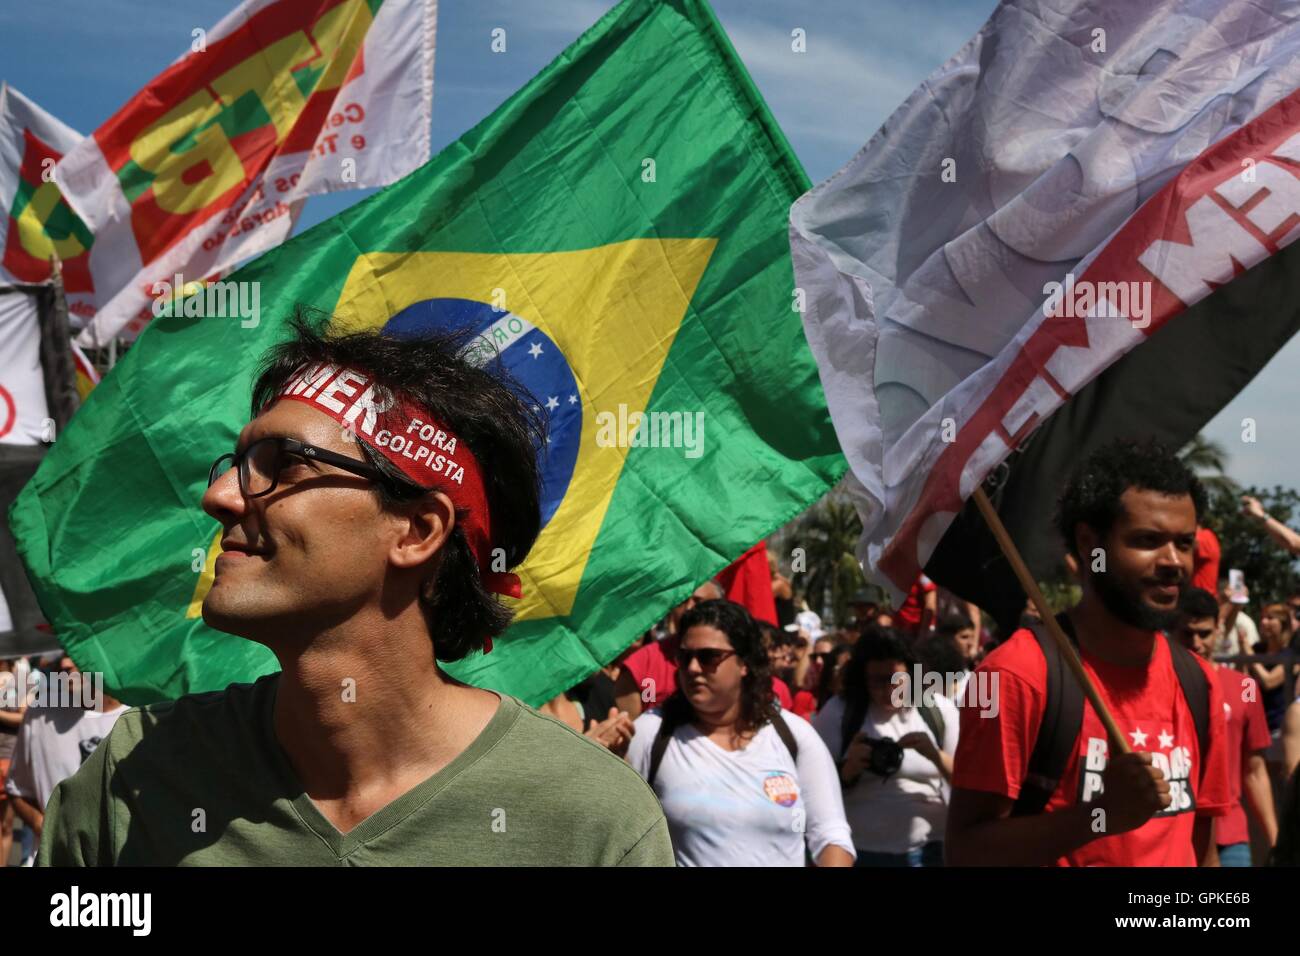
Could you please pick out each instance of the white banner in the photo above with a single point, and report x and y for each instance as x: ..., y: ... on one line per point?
x: 24, y: 413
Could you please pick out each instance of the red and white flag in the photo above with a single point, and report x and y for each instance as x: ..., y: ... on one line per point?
x: 209, y: 163
x: 1063, y: 189
x: 36, y: 222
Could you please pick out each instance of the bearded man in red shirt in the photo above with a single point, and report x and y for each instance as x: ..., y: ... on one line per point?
x: 1129, y: 517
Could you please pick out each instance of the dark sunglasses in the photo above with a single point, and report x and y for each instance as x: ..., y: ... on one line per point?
x: 709, y: 657
x: 259, y: 464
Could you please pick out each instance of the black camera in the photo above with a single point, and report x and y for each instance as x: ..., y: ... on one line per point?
x: 886, y: 756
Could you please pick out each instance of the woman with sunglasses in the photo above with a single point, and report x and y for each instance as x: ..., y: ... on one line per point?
x: 741, y: 783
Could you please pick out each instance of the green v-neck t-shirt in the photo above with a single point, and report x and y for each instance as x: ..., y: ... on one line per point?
x: 203, y: 781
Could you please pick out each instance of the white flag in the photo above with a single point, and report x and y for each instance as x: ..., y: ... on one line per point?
x: 1075, y: 176
x: 24, y: 413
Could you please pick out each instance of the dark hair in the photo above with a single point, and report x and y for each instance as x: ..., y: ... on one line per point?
x: 485, y: 407
x: 876, y: 644
x: 826, y: 680
x: 757, y: 702
x: 1195, y: 604
x: 939, y: 655
x: 1092, y: 494
x: 950, y: 624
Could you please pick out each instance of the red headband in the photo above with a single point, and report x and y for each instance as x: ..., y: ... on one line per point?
x: 427, y: 453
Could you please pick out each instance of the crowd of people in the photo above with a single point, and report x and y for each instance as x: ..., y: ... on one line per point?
x: 733, y: 719
x: 44, y: 739
x: 907, y: 736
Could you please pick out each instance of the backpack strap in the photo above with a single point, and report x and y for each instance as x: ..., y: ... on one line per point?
x: 1059, y: 730
x: 657, y: 750
x: 1196, y: 691
x: 787, y: 737
x: 660, y: 746
x: 933, y: 718
x: 1063, y: 716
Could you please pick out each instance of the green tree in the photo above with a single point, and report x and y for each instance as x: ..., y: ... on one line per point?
x: 824, y: 565
x: 1209, y: 460
x: 1270, y: 571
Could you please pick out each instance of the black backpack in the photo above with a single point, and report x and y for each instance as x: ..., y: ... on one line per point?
x: 1063, y: 715
x: 666, y: 730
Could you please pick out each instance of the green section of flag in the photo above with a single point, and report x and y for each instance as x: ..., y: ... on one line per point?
x: 111, y: 528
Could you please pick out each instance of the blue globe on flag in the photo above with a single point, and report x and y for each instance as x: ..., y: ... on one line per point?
x: 532, y: 358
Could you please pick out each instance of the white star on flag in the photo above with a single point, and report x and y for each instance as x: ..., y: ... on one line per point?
x: 551, y: 403
x: 1139, y: 738
x: 535, y: 349
x: 573, y: 399
x: 1166, y: 740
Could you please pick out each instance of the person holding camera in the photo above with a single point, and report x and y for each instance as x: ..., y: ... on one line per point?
x: 895, y: 744
x: 741, y: 782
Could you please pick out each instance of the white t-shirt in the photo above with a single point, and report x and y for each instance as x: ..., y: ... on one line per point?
x: 909, y: 809
x: 749, y: 807
x: 53, y: 743
x: 1240, y: 638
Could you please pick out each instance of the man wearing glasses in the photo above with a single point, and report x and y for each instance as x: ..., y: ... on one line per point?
x: 368, y: 509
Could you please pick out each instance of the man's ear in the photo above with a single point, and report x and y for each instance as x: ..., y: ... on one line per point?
x: 1086, y: 540
x: 424, y: 527
x: 1072, y: 565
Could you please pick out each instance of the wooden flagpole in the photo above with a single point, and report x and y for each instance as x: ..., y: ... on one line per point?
x: 1117, y: 737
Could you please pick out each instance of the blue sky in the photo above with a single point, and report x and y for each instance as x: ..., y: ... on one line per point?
x: 81, y: 59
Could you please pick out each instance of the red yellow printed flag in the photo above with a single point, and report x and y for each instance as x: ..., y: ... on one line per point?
x: 208, y: 164
x: 35, y: 221
x: 87, y: 374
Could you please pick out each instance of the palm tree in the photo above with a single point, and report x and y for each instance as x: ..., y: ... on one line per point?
x: 1209, y: 460
x: 828, y: 534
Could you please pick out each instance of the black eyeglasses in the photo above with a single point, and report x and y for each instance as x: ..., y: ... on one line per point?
x: 709, y: 657
x: 259, y: 464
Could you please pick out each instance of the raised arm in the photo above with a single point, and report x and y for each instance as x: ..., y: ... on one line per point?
x: 1275, y: 529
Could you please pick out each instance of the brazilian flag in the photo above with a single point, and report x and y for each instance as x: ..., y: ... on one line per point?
x: 617, y: 229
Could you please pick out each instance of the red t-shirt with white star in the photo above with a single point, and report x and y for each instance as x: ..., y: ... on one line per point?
x: 993, y: 751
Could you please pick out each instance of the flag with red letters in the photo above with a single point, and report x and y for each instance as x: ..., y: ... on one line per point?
x: 1085, y: 215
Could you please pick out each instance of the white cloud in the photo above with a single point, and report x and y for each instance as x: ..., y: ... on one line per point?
x: 860, y: 65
